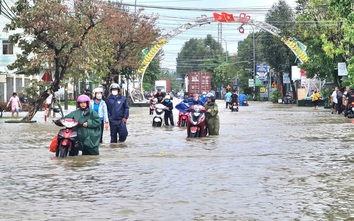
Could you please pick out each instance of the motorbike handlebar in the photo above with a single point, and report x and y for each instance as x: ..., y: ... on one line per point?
x: 58, y: 123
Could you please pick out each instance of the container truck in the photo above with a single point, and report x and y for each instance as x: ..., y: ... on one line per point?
x: 197, y: 83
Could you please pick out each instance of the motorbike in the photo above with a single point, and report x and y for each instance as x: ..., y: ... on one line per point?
x: 196, y: 126
x: 151, y: 109
x: 350, y: 110
x: 245, y: 102
x: 233, y: 107
x: 152, y: 106
x: 67, y: 138
x: 182, y: 119
x: 183, y: 108
x: 158, y: 115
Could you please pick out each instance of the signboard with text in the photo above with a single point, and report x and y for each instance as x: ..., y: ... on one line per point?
x: 250, y: 83
x: 286, y: 78
x: 262, y: 70
x: 342, y: 69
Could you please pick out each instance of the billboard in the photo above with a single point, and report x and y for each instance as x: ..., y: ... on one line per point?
x: 262, y: 70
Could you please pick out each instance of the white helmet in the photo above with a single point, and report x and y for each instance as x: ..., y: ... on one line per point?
x: 98, y: 89
x: 167, y: 97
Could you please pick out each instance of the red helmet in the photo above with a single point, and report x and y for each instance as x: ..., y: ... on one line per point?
x: 83, y: 98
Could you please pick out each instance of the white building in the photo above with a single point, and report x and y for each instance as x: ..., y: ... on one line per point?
x: 10, y: 81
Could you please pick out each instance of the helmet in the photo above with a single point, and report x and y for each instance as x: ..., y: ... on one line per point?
x: 210, y: 95
x: 204, y: 92
x: 98, y: 89
x: 83, y: 98
x: 114, y: 86
x: 167, y: 97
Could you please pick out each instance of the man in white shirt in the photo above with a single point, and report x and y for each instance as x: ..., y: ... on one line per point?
x: 334, y: 100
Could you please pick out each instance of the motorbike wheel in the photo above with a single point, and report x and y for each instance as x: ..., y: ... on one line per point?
x: 61, y: 152
x: 193, y: 135
x: 183, y: 123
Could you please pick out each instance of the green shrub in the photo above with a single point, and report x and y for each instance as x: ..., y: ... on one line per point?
x: 275, y: 96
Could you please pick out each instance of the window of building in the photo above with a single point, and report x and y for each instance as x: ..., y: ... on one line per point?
x: 7, y: 48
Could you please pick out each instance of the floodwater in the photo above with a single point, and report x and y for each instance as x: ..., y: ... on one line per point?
x: 270, y: 162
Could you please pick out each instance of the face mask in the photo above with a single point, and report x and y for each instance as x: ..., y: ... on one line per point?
x: 99, y: 96
x: 167, y: 101
x: 115, y: 92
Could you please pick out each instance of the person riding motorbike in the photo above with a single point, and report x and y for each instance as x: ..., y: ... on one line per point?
x: 159, y: 95
x: 211, y: 115
x: 243, y: 99
x: 89, y: 129
x: 234, y: 99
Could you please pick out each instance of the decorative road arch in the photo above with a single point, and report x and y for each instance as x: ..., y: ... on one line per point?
x: 295, y: 46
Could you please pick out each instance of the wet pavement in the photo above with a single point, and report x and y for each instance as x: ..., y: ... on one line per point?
x: 270, y: 162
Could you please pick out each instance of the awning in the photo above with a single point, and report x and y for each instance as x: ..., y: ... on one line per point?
x: 47, y: 77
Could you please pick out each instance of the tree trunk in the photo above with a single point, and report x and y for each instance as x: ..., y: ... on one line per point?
x: 37, y: 105
x: 39, y: 102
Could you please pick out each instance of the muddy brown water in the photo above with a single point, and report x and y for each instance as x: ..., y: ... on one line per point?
x: 270, y: 162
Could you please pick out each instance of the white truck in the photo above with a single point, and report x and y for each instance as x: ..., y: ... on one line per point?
x: 164, y: 85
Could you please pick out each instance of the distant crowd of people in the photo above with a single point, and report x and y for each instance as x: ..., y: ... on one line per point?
x: 342, y: 102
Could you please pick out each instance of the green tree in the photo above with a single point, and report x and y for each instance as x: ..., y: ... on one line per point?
x: 244, y: 60
x: 120, y: 51
x: 52, y: 32
x: 326, y: 26
x: 204, y: 55
x: 199, y: 55
x: 277, y: 55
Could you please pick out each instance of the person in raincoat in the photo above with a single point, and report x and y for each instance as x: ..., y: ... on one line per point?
x: 89, y: 129
x: 211, y: 115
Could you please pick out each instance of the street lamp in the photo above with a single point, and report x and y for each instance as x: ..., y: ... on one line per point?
x: 226, y: 57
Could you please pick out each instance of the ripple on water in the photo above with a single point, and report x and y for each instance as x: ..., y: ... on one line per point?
x: 270, y: 162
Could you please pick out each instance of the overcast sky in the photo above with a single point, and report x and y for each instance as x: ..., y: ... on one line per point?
x: 178, y: 12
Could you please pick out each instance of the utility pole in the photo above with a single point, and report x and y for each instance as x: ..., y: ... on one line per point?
x: 226, y: 54
x: 135, y: 7
x: 254, y: 61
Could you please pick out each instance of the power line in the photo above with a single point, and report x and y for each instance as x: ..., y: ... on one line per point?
x: 13, y: 14
x: 256, y: 8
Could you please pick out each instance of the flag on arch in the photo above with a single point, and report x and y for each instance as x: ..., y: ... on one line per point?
x: 228, y: 17
x: 219, y: 17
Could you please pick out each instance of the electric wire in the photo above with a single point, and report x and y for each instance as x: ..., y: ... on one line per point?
x: 10, y: 10
x: 5, y: 12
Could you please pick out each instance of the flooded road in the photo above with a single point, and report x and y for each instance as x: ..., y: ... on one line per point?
x: 270, y: 162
